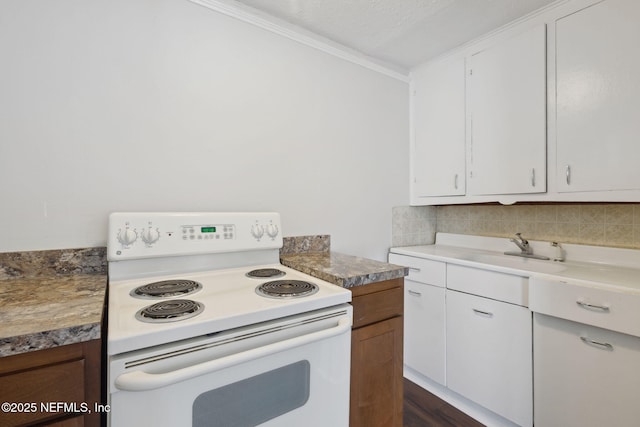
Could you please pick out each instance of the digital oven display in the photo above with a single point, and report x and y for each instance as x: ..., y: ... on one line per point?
x: 207, y: 229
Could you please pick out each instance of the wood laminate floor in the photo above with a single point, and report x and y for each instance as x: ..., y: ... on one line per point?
x: 423, y: 409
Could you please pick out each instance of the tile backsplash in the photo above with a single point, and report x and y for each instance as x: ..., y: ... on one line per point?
x: 616, y: 225
x: 413, y: 225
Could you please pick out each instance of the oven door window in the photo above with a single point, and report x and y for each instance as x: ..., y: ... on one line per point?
x: 254, y: 400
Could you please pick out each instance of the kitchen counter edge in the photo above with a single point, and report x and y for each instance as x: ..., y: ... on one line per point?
x: 592, y: 274
x: 347, y: 271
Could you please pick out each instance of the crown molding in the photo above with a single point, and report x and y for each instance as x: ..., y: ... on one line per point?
x: 255, y: 17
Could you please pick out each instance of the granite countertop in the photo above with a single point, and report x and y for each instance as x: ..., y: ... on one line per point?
x: 50, y: 299
x: 54, y: 298
x: 343, y: 270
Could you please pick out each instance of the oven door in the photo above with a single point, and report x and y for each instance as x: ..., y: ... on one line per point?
x: 289, y: 372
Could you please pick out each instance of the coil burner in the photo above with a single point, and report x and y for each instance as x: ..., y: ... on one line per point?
x: 265, y: 273
x: 166, y: 289
x: 286, y: 289
x: 170, y: 311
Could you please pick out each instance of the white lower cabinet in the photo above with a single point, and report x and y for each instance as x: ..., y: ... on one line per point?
x: 489, y: 354
x: 474, y: 351
x: 517, y: 349
x: 424, y: 315
x: 585, y: 376
x: 424, y: 331
x: 586, y: 354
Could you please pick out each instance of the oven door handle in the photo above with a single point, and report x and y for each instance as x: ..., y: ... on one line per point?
x: 141, y: 381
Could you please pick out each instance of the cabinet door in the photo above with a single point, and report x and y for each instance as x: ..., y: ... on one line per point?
x: 489, y: 355
x: 598, y: 93
x: 584, y: 376
x: 68, y: 373
x: 376, y: 375
x: 424, y: 330
x: 508, y: 116
x: 438, y: 156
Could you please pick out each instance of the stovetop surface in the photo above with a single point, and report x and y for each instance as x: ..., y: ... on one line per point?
x: 229, y: 299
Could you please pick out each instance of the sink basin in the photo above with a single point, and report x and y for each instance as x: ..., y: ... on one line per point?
x: 529, y: 264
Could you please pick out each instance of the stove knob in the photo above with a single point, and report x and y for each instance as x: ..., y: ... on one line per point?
x: 257, y: 230
x: 150, y: 235
x: 127, y: 236
x: 272, y: 230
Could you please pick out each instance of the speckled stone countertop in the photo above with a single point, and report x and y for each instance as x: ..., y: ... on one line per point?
x: 343, y: 270
x: 50, y: 298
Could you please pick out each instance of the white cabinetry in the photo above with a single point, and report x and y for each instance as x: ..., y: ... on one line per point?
x: 584, y: 376
x: 551, y: 105
x: 489, y: 346
x: 438, y: 121
x: 586, y: 355
x: 467, y: 338
x: 558, y: 345
x: 424, y: 316
x: 598, y: 91
x: 508, y: 115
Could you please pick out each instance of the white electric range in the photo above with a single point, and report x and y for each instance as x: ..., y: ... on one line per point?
x: 205, y: 326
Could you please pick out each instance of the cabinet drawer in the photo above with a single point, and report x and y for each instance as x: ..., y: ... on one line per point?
x: 63, y: 382
x: 491, y: 284
x: 422, y: 270
x: 575, y: 301
x: 377, y: 306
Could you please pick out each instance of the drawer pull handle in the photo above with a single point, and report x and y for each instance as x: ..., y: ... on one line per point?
x: 602, y: 345
x: 482, y: 313
x: 414, y: 293
x: 417, y: 270
x: 585, y: 305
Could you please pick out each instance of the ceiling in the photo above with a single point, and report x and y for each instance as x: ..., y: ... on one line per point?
x: 400, y: 32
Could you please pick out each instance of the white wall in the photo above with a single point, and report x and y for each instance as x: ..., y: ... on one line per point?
x: 164, y: 105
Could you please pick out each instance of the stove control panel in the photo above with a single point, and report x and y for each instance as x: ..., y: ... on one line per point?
x: 209, y: 231
x: 156, y: 234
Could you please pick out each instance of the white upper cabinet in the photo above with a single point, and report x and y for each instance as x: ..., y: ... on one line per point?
x: 551, y: 107
x: 598, y: 93
x: 438, y: 120
x: 507, y: 99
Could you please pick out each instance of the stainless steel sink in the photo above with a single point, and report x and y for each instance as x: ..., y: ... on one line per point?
x: 519, y: 262
x: 523, y: 255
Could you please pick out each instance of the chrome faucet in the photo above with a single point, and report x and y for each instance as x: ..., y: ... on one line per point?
x: 523, y: 244
x: 526, y: 251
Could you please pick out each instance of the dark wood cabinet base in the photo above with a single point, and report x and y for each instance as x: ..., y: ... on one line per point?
x: 57, y: 386
x: 376, y: 355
